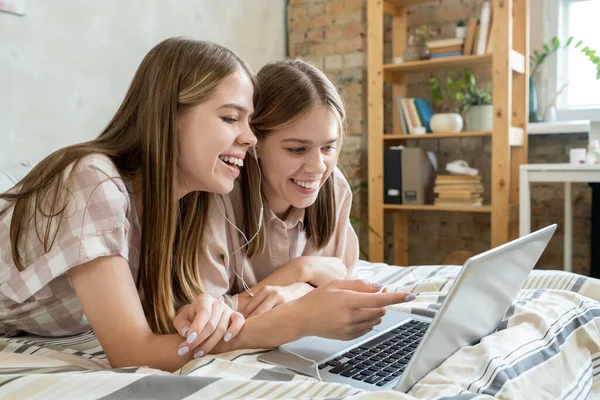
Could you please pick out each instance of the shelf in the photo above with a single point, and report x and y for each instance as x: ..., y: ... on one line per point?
x: 508, y: 65
x: 401, y: 3
x: 548, y: 128
x: 430, y: 207
x: 388, y: 136
x: 436, y: 64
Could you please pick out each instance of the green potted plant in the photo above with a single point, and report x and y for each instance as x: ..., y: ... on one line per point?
x: 461, y: 29
x: 445, y: 119
x: 537, y: 59
x: 473, y: 101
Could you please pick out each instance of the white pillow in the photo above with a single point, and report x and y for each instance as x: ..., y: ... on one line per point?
x: 12, y: 174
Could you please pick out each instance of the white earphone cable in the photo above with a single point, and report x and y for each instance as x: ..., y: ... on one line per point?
x: 260, y: 222
x: 246, y: 287
x: 305, y: 359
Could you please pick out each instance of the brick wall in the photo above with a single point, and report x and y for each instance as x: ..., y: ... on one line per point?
x: 331, y: 35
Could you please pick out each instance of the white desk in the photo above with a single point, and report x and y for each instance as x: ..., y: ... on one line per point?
x: 566, y: 173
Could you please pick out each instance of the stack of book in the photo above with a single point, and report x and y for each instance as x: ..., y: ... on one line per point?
x: 458, y: 190
x: 446, y: 47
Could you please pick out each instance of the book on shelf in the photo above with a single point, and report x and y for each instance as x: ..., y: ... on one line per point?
x: 457, y: 191
x: 484, y: 27
x: 457, y: 195
x: 446, y: 54
x: 470, y: 38
x: 434, y: 44
x: 461, y: 178
x: 414, y: 115
x: 490, y: 41
x: 445, y: 49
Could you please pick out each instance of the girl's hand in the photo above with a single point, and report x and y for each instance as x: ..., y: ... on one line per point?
x: 344, y: 309
x: 204, y: 323
x: 269, y: 297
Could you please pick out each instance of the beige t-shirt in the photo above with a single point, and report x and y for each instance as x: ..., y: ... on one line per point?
x: 100, y: 220
x: 285, y: 241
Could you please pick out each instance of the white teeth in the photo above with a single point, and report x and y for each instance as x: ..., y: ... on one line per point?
x: 232, y: 160
x: 307, y: 184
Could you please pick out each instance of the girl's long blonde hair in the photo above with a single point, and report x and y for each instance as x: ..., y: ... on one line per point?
x: 141, y: 140
x: 285, y: 91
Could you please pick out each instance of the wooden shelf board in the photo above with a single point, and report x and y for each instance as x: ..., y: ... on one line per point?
x: 435, y: 64
x: 389, y: 136
x: 486, y: 208
x: 401, y: 3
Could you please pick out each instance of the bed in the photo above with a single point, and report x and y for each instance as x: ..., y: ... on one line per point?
x: 547, y: 347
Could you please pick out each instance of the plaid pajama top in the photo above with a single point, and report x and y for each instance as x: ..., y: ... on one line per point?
x: 100, y: 220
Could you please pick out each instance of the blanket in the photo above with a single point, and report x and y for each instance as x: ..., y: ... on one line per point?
x: 547, y: 347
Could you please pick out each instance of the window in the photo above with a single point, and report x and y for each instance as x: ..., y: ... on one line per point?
x: 578, y: 18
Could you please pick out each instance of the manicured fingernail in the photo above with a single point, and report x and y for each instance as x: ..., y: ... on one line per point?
x: 227, y: 337
x: 377, y: 284
x: 199, y: 354
x: 185, y: 330
x: 190, y: 339
x: 410, y: 297
x: 183, y: 350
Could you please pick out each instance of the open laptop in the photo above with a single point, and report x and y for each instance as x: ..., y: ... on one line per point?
x: 405, y: 347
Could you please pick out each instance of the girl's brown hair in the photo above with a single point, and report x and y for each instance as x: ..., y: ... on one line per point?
x: 286, y: 90
x: 141, y: 140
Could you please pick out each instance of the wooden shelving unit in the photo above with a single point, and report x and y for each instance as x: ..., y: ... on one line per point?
x: 431, y: 207
x: 435, y: 65
x: 510, y: 101
x: 401, y: 136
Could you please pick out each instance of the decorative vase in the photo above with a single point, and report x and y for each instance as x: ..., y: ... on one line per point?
x: 461, y: 32
x: 480, y: 118
x: 550, y: 114
x: 533, y: 101
x: 446, y: 123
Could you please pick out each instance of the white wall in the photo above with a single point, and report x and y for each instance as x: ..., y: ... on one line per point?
x: 66, y: 64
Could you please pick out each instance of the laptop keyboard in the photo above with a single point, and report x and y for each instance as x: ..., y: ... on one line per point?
x: 382, y: 359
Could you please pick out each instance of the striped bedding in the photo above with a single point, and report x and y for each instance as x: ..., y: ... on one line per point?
x: 548, y: 347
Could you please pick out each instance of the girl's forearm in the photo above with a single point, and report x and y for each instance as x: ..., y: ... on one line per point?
x: 154, y: 351
x: 289, y: 274
x: 271, y: 329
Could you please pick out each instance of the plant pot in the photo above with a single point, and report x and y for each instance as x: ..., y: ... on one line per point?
x: 446, y: 123
x: 461, y: 32
x: 480, y: 118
